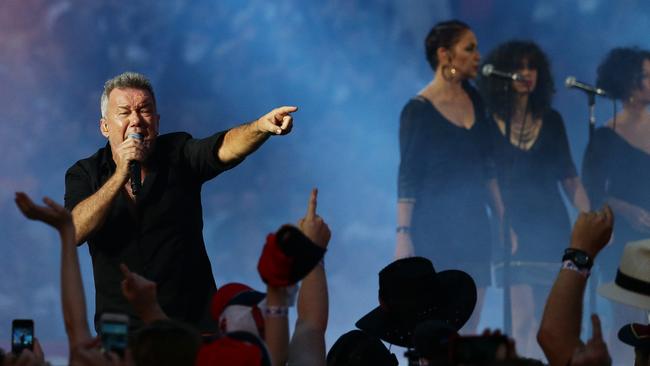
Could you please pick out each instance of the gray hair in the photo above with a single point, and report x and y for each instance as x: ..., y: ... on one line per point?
x: 125, y: 80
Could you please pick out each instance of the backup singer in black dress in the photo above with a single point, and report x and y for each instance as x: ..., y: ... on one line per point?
x: 616, y: 169
x: 530, y: 164
x: 445, y: 176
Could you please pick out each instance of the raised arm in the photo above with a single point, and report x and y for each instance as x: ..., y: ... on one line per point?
x: 72, y: 292
x: 243, y: 140
x: 89, y: 214
x: 307, y: 345
x: 559, y: 332
x: 142, y: 295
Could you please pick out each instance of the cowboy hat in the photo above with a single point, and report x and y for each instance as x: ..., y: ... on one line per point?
x: 410, y: 292
x: 632, y: 283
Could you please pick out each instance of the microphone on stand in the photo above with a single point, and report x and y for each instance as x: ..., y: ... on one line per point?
x: 134, y: 169
x: 489, y: 71
x: 571, y: 82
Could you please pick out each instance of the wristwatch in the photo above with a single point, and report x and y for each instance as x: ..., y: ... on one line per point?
x: 580, y: 258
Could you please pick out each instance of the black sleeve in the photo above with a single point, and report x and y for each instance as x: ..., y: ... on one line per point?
x: 201, y: 156
x: 564, y: 166
x: 78, y: 186
x: 414, y: 117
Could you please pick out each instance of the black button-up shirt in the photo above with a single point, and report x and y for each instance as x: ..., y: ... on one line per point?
x: 161, y: 236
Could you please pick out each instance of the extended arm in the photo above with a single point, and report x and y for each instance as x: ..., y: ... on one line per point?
x: 72, y: 293
x: 276, y: 328
x: 559, y: 332
x: 243, y: 140
x: 307, y: 345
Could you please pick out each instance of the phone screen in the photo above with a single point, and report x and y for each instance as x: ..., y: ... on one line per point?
x: 22, y: 335
x: 114, y: 336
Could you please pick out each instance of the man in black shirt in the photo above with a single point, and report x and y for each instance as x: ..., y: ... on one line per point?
x: 157, y: 232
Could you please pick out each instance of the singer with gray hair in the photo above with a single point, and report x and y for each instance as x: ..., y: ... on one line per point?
x: 137, y: 200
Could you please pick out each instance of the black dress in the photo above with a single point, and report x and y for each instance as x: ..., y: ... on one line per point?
x: 443, y: 170
x: 612, y: 167
x: 529, y: 182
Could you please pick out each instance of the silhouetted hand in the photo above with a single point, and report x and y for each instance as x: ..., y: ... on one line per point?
x: 27, y: 357
x: 595, y: 352
x: 52, y: 214
x: 90, y: 354
x: 313, y: 225
x: 141, y: 294
x: 592, y: 230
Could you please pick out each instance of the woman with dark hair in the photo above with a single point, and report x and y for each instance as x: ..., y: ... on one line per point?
x: 445, y: 176
x: 530, y: 163
x: 616, y: 166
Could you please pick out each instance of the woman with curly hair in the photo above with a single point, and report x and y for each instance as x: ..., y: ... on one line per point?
x: 530, y: 162
x: 616, y: 166
x: 445, y: 177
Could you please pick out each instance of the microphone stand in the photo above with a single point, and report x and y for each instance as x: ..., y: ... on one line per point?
x: 507, y: 240
x: 593, y: 280
x: 509, y: 166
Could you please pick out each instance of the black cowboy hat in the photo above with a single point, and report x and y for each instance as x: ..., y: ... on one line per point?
x: 636, y: 335
x: 411, y: 292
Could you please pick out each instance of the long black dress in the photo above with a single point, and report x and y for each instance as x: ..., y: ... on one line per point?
x: 612, y: 167
x: 443, y: 170
x: 529, y: 185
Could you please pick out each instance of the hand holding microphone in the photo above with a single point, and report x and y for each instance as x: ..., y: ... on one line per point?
x: 134, y: 169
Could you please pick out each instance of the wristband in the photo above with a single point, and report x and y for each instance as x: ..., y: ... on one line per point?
x: 568, y: 264
x: 276, y: 311
x: 403, y: 229
x: 580, y: 258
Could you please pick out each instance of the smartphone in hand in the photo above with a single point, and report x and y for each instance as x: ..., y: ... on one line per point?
x: 22, y: 335
x: 114, y: 331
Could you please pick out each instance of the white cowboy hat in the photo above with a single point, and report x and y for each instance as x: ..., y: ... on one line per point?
x: 632, y: 283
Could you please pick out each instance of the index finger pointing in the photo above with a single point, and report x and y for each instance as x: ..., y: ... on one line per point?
x: 597, y: 332
x: 313, y: 201
x: 283, y: 111
x: 125, y: 270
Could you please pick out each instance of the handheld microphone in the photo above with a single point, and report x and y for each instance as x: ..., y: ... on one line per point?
x: 571, y: 82
x: 489, y: 71
x: 134, y: 169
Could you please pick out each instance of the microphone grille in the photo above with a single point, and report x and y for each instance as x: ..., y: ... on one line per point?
x: 487, y: 69
x: 570, y: 81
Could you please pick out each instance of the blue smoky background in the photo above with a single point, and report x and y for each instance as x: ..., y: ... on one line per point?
x: 349, y: 65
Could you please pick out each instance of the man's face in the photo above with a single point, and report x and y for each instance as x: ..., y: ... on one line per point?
x: 130, y: 111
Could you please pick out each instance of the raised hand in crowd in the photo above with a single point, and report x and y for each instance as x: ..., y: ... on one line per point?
x: 595, y: 352
x: 313, y: 225
x: 592, y: 231
x: 88, y: 353
x: 141, y: 294
x: 26, y: 357
x: 559, y: 332
x: 307, y: 345
x: 72, y: 292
